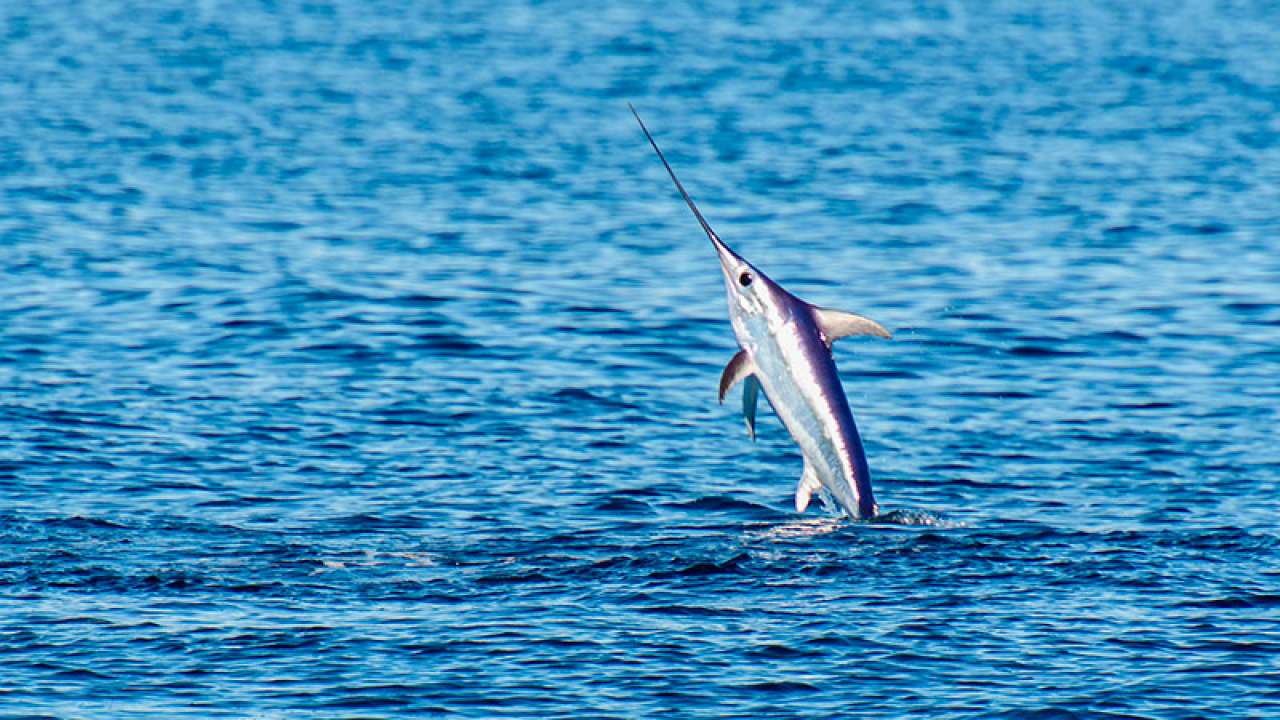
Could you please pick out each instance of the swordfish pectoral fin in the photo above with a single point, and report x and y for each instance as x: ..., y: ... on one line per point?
x: 742, y: 369
x: 836, y: 324
x: 809, y: 484
x: 739, y: 368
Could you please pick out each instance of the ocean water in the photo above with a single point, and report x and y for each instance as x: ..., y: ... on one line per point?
x: 358, y: 359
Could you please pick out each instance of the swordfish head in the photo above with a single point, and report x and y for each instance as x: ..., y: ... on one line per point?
x: 751, y: 293
x: 753, y: 297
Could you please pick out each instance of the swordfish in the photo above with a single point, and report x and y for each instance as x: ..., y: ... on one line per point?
x: 785, y: 349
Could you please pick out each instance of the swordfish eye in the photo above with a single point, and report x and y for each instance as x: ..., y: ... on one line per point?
x: 744, y: 279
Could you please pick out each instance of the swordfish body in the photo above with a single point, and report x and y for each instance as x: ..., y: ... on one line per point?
x: 785, y: 349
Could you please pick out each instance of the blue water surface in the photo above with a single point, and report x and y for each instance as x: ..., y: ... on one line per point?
x: 357, y: 359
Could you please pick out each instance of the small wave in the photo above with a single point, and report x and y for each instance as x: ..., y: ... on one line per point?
x: 79, y: 522
x: 580, y: 397
x: 691, y: 610
x: 809, y: 527
x: 1041, y: 351
x: 616, y: 504
x: 782, y: 686
x: 732, y: 566
x: 1235, y: 602
x: 915, y: 518
x: 723, y: 503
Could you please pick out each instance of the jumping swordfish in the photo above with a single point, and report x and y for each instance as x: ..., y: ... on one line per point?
x: 785, y: 349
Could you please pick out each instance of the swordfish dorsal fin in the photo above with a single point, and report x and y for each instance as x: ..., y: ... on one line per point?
x: 836, y: 324
x: 742, y: 369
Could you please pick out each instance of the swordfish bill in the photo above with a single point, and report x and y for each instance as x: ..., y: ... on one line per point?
x: 785, y: 350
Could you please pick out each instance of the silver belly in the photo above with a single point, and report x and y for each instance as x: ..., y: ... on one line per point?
x: 787, y: 376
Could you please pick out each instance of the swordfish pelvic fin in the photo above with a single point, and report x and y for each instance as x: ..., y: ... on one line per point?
x: 742, y: 369
x: 809, y: 484
x: 836, y: 324
x: 750, y: 392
